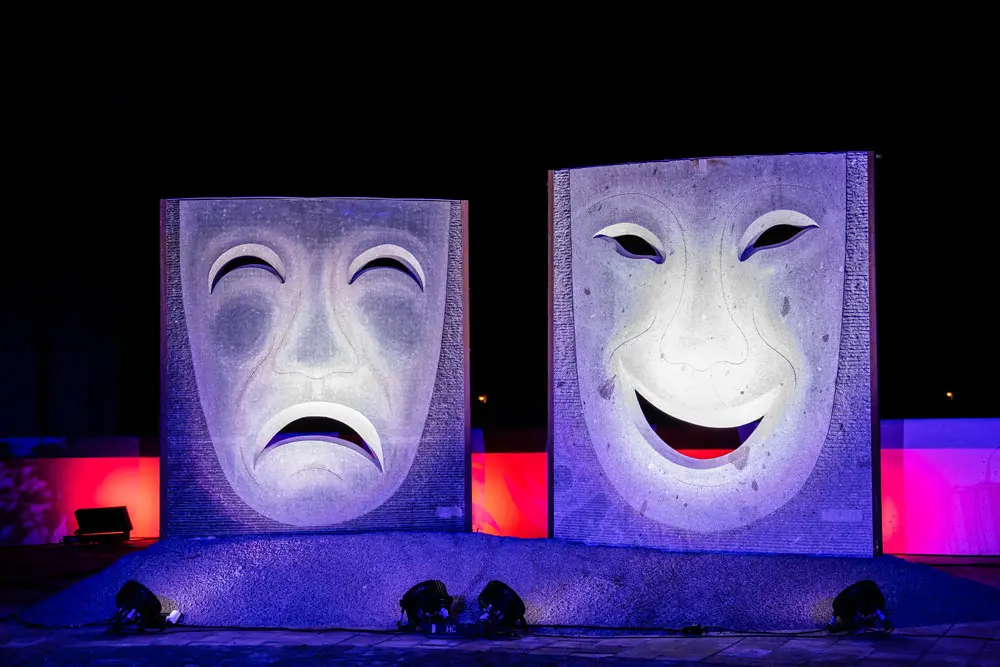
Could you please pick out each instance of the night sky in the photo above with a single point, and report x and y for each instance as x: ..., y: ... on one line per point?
x: 79, y: 340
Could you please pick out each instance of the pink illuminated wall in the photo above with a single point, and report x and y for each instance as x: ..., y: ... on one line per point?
x: 38, y: 496
x: 941, y: 486
x: 940, y: 491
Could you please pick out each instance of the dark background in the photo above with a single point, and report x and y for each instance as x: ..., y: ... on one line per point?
x: 79, y: 289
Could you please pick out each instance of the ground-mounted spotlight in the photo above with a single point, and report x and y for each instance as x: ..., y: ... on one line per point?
x: 501, y: 609
x: 859, y: 607
x: 426, y: 606
x: 139, y: 607
x: 101, y: 525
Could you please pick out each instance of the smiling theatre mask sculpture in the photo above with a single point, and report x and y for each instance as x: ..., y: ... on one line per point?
x: 707, y: 302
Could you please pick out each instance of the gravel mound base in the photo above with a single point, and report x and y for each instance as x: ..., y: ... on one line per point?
x: 355, y: 581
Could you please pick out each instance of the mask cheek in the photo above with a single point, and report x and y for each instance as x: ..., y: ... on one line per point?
x: 393, y: 325
x: 239, y: 330
x: 392, y: 329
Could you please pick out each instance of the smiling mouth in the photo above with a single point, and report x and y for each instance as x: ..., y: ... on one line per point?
x: 333, y: 424
x: 692, y: 440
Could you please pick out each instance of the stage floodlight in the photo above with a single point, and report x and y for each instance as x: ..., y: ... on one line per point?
x: 427, y: 603
x: 500, y: 607
x: 137, y: 606
x: 858, y: 607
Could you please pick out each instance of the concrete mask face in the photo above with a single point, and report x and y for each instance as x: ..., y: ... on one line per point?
x: 707, y: 299
x: 315, y: 329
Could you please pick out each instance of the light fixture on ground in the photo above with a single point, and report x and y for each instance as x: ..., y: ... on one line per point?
x: 139, y: 607
x: 101, y: 525
x: 426, y: 606
x: 859, y: 607
x: 501, y: 608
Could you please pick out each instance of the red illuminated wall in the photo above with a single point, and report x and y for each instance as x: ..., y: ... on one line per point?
x: 940, y: 491
x: 509, y: 494
x: 38, y: 496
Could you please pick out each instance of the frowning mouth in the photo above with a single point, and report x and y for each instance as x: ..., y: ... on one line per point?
x: 322, y: 429
x: 692, y: 440
x: 329, y: 423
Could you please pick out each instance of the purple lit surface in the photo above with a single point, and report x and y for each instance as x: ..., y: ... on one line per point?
x: 721, y: 292
x: 355, y: 327
x: 356, y: 581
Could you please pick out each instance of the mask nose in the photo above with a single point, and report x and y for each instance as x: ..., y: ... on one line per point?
x: 702, y: 332
x: 315, y: 344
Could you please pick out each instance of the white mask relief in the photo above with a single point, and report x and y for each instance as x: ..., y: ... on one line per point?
x: 315, y: 329
x: 707, y: 310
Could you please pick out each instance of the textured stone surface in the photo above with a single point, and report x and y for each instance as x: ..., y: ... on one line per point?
x: 431, y: 495
x: 802, y: 483
x: 238, y: 647
x: 355, y: 581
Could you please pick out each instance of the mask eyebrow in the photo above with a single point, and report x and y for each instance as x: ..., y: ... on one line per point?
x: 387, y: 251
x: 245, y: 254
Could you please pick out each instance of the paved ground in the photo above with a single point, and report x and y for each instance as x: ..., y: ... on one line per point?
x: 974, y: 645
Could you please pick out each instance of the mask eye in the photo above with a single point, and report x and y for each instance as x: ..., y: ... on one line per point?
x: 773, y: 230
x: 387, y: 257
x: 633, y: 241
x: 245, y: 256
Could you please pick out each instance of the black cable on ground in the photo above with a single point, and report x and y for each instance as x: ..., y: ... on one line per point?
x: 914, y: 634
x: 369, y: 631
x: 715, y: 631
x: 687, y: 631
